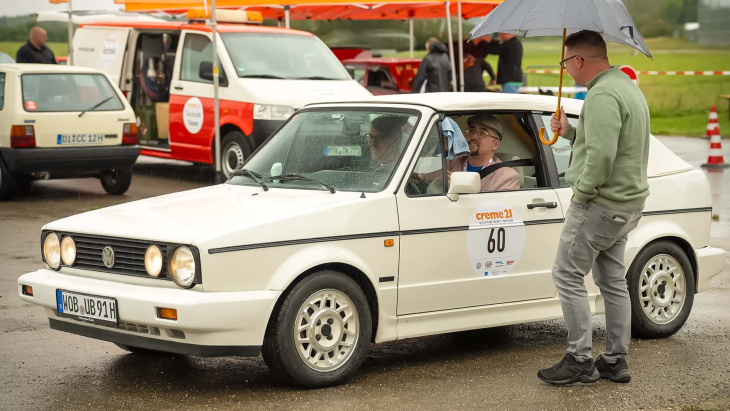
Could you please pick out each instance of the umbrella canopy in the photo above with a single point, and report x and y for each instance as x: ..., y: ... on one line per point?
x: 533, y: 18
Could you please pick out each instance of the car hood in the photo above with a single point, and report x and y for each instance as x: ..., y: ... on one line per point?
x: 299, y: 93
x: 206, y: 212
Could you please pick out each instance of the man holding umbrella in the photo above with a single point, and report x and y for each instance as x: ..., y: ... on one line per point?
x: 608, y: 175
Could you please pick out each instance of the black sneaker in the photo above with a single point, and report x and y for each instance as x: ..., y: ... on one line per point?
x: 616, y: 372
x: 568, y: 371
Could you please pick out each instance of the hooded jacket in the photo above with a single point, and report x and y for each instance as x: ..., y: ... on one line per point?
x: 435, y: 68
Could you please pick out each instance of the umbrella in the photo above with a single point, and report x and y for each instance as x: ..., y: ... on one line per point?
x: 533, y: 18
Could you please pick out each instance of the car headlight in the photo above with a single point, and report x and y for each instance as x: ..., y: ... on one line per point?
x: 270, y: 112
x: 153, y: 261
x: 68, y: 251
x: 52, y: 251
x: 182, y: 267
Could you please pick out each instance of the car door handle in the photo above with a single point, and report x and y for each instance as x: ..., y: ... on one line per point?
x: 178, y: 87
x: 546, y: 205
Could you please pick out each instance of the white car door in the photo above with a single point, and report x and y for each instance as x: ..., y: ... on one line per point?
x: 482, y: 249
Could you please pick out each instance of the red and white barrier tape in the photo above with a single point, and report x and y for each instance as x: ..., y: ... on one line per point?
x: 651, y: 73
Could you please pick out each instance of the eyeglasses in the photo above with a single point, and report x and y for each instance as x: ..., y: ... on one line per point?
x: 371, y: 136
x: 562, y: 63
x: 481, y: 133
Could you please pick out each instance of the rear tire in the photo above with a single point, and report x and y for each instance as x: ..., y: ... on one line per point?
x: 236, y: 150
x: 320, y: 334
x: 662, y: 289
x: 8, y: 182
x: 116, y: 181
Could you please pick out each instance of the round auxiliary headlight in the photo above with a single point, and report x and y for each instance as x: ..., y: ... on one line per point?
x: 153, y: 261
x: 52, y: 250
x: 68, y: 251
x: 182, y: 267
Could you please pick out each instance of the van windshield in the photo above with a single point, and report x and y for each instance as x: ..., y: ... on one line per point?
x: 348, y: 150
x: 282, y: 56
x: 69, y: 92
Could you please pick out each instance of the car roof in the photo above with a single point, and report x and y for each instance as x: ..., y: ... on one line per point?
x: 184, y: 25
x: 47, y: 68
x: 471, y: 101
x: 382, y: 60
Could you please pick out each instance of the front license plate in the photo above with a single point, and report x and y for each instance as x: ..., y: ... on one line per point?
x: 84, y: 138
x: 88, y: 308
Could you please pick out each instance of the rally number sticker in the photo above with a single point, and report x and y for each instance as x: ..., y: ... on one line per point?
x: 496, y: 239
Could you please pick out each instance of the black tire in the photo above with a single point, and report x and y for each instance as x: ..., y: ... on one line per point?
x: 8, y: 182
x: 116, y: 181
x: 656, y: 316
x: 236, y: 150
x: 143, y: 351
x: 280, y: 350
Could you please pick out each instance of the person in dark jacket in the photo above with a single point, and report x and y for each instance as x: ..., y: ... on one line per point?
x: 509, y: 68
x: 435, y: 69
x: 474, y: 68
x: 35, y: 50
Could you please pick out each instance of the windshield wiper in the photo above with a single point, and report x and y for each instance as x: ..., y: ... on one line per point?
x: 97, y: 105
x: 260, y: 76
x: 299, y: 177
x: 252, y: 175
x: 314, y: 78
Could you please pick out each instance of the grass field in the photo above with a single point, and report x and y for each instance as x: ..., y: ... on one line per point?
x: 679, y: 105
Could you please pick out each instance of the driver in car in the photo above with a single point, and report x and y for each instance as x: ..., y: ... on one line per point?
x: 384, y: 140
x: 484, y: 134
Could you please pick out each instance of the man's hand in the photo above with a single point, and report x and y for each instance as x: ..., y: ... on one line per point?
x: 561, y: 126
x: 492, y: 82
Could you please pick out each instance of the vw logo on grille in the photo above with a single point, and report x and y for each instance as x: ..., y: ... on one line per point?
x: 107, y: 255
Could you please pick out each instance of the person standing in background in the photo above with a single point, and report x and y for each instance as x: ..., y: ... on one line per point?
x: 509, y: 68
x: 35, y: 50
x: 435, y: 69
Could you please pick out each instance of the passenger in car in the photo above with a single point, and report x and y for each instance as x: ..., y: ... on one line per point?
x: 384, y: 141
x: 484, y: 135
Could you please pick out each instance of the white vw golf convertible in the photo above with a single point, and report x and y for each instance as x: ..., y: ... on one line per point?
x: 347, y: 228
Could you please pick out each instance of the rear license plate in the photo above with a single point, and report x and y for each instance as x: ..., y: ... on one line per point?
x: 88, y: 308
x: 84, y: 138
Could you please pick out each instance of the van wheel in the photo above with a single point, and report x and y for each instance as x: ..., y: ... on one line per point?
x: 320, y: 334
x: 116, y: 181
x: 142, y: 351
x: 8, y: 182
x: 662, y: 289
x: 236, y: 150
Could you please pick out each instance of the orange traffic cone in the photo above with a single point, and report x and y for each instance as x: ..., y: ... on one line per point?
x: 712, y: 122
x: 715, y: 159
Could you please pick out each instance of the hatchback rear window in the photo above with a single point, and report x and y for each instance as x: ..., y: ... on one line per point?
x: 69, y: 92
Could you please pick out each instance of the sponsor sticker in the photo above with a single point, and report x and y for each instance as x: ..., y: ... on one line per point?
x: 193, y: 115
x: 496, y: 238
x: 30, y: 105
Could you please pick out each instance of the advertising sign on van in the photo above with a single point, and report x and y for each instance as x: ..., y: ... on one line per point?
x: 109, y: 50
x: 193, y: 115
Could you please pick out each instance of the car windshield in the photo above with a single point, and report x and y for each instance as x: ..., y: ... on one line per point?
x: 287, y: 56
x: 69, y: 92
x: 348, y: 150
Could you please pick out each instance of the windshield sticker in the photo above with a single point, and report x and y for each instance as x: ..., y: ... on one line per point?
x: 30, y: 105
x: 496, y: 239
x: 193, y: 115
x: 109, y: 50
x: 343, y: 151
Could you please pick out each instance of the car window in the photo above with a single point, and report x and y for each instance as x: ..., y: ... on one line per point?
x: 427, y: 177
x: 379, y: 76
x: 196, y: 49
x: 359, y: 73
x: 278, y: 55
x: 349, y: 150
x: 561, y: 149
x: 68, y: 92
x: 2, y: 90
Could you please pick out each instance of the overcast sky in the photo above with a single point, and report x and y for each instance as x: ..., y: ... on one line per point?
x: 24, y: 7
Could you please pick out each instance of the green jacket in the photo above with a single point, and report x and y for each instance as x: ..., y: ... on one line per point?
x: 611, y: 144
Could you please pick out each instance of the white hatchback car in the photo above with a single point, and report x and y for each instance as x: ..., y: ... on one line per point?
x: 64, y: 122
x: 315, y: 250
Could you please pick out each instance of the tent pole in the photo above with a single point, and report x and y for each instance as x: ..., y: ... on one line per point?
x: 286, y: 16
x: 410, y: 33
x: 219, y: 177
x: 70, y: 61
x: 451, y: 47
x: 461, y: 50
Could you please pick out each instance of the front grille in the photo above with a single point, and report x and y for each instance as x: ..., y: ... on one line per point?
x: 128, y: 255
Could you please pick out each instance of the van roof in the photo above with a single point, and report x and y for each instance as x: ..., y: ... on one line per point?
x: 184, y: 25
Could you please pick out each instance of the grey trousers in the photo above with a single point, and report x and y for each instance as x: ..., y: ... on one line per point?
x: 594, y: 237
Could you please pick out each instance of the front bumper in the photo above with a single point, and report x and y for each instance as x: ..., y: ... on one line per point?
x: 208, y: 324
x: 69, y: 161
x: 710, y: 262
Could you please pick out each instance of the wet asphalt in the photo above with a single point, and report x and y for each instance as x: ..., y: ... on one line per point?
x: 487, y: 369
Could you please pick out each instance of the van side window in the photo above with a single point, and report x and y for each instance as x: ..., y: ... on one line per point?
x: 196, y: 49
x: 2, y: 90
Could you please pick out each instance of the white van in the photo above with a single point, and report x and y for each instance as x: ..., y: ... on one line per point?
x: 165, y: 70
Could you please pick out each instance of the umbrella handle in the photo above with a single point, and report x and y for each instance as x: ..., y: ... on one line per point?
x: 547, y: 142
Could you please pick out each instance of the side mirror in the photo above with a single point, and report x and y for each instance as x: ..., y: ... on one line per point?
x: 463, y: 182
x: 350, y: 71
x: 205, y: 72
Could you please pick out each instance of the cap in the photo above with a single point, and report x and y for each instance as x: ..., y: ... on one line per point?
x: 486, y: 121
